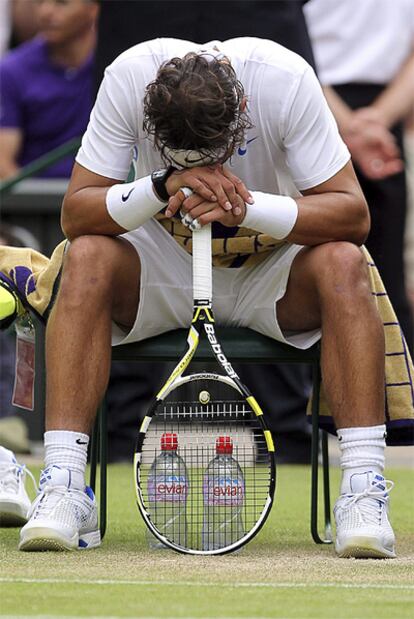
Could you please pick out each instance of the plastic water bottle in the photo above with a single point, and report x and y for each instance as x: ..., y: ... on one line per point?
x: 167, y: 493
x: 223, y: 497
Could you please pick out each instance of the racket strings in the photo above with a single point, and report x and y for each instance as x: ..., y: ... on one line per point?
x: 201, y: 504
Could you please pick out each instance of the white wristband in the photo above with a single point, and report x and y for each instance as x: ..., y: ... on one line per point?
x: 271, y: 214
x: 132, y: 204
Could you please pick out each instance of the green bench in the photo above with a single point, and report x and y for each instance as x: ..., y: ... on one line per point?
x: 242, y: 346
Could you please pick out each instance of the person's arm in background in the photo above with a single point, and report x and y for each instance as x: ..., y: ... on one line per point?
x: 11, y: 121
x: 10, y: 143
x: 395, y: 102
x: 370, y: 142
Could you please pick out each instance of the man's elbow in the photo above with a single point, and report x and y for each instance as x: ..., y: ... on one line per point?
x: 68, y: 220
x: 361, y: 222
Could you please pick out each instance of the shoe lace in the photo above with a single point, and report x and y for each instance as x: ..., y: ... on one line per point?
x: 370, y: 510
x: 12, y: 474
x: 48, y: 498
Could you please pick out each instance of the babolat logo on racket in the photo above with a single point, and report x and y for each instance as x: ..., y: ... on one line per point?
x: 218, y: 352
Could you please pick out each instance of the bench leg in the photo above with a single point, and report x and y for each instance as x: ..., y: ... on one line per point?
x: 327, y: 539
x: 94, y: 455
x: 103, y: 448
x: 98, y: 454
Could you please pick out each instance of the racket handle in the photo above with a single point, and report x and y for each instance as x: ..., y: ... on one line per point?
x: 202, y: 270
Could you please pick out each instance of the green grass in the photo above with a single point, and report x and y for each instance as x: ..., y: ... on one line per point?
x: 280, y: 574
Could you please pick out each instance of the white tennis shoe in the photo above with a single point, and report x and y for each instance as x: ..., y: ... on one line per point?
x: 362, y: 526
x: 14, y: 501
x: 61, y: 517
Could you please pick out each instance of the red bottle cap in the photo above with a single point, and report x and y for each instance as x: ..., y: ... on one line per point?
x: 169, y: 441
x: 224, y: 445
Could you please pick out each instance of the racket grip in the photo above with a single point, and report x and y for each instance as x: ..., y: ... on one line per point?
x: 202, y: 269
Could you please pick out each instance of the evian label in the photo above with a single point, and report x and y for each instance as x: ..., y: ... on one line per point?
x: 227, y: 491
x: 169, y: 488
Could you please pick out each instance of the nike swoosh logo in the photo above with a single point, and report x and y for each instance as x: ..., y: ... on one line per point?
x: 242, y: 151
x: 125, y: 196
x: 79, y: 442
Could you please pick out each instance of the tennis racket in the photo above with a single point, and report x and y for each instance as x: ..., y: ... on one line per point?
x: 204, y: 461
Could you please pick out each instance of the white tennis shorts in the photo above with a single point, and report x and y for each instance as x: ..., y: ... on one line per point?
x: 242, y: 297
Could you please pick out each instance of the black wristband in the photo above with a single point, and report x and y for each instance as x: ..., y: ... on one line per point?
x: 159, y: 179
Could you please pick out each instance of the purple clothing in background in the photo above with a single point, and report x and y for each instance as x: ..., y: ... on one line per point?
x: 49, y: 103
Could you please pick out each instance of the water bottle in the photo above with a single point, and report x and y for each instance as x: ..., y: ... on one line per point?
x: 167, y: 493
x: 223, y: 497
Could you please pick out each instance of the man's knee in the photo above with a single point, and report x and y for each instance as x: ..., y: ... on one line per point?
x: 341, y: 269
x: 89, y: 266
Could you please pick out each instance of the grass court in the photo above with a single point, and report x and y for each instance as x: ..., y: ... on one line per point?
x: 281, y: 574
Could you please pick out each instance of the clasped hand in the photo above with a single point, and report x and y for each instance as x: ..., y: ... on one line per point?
x: 372, y: 146
x: 218, y: 195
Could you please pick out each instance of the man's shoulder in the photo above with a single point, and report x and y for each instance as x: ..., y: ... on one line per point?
x: 266, y: 52
x: 25, y: 55
x: 154, y: 51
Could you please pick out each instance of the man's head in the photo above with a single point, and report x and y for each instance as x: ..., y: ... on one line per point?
x: 196, y: 103
x: 63, y: 21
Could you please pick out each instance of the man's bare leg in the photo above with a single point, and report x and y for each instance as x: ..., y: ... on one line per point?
x: 328, y: 287
x: 100, y: 283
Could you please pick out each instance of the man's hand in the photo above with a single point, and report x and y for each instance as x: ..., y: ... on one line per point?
x: 215, y: 184
x: 372, y: 145
x: 205, y: 212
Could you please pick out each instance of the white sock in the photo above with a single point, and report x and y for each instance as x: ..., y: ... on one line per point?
x: 362, y: 450
x: 69, y: 450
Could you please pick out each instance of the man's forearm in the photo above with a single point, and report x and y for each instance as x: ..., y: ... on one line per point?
x: 8, y: 169
x: 328, y: 217
x: 308, y: 220
x: 123, y: 207
x: 335, y: 210
x: 341, y: 111
x: 395, y: 102
x: 85, y: 212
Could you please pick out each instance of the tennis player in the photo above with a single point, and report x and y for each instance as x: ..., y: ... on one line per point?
x: 236, y: 133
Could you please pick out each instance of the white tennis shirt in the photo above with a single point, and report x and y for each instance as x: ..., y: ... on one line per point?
x: 294, y: 144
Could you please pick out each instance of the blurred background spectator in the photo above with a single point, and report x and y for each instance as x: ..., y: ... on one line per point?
x: 47, y: 84
x: 365, y: 52
x: 47, y: 91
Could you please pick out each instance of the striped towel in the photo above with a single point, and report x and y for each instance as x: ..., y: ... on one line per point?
x: 399, y: 371
x: 33, y: 276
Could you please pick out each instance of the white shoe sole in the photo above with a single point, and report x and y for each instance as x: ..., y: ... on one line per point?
x: 12, y: 514
x: 363, y: 547
x: 42, y: 538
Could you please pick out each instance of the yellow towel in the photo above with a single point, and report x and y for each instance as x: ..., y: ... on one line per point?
x: 399, y: 371
x: 32, y: 275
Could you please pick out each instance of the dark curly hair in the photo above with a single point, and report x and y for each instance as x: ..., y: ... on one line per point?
x: 194, y: 103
